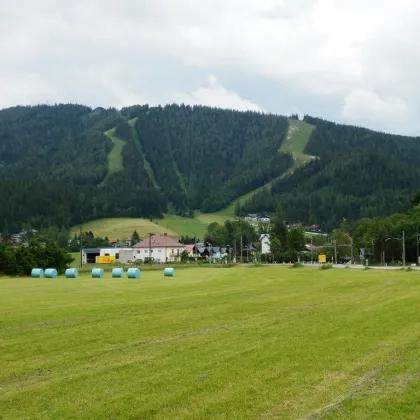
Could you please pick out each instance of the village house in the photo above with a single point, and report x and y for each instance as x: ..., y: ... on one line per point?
x: 190, y: 250
x: 265, y: 243
x: 160, y: 248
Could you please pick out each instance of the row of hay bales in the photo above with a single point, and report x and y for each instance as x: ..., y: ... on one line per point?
x: 97, y: 273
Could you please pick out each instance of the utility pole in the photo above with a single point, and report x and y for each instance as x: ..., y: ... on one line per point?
x: 312, y: 261
x: 81, y: 246
x: 247, y: 250
x: 241, y: 251
x: 417, y: 242
x: 335, y: 251
x: 195, y: 245
x: 403, y: 246
x: 150, y: 247
x: 351, y: 249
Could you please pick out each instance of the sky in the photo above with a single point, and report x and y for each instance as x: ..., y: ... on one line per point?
x: 350, y: 61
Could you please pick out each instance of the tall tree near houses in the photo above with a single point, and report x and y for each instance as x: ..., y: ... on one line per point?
x: 296, y: 240
x: 135, y: 238
x: 278, y: 228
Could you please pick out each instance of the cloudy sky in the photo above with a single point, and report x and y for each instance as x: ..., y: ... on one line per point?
x: 352, y: 61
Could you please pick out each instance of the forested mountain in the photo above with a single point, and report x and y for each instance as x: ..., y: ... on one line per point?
x: 359, y: 173
x: 203, y: 158
x: 59, y: 165
x: 54, y: 161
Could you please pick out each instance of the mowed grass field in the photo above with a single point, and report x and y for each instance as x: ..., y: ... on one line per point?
x: 238, y: 343
x: 122, y: 228
x: 174, y: 226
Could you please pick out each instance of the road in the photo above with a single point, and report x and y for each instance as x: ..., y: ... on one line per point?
x: 361, y: 267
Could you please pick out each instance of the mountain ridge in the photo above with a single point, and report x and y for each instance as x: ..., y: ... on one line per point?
x: 144, y: 161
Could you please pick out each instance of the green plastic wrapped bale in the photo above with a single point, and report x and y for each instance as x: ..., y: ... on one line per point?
x: 117, y: 273
x: 97, y: 273
x: 71, y: 273
x: 37, y: 273
x: 168, y: 272
x: 51, y: 273
x: 133, y: 273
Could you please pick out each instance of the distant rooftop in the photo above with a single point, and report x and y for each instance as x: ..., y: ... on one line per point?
x: 159, y: 241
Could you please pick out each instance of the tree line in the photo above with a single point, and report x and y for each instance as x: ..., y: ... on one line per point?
x: 19, y: 261
x: 287, y: 245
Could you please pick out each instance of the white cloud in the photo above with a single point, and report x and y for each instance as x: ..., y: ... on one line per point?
x: 217, y: 96
x: 102, y: 51
x: 361, y: 105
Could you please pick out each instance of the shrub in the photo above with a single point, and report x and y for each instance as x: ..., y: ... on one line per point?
x: 325, y: 266
x: 296, y: 265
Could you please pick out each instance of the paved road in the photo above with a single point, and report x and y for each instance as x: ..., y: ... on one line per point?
x: 360, y: 266
x: 354, y: 266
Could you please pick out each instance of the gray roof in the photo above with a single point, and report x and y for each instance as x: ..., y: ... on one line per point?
x: 91, y: 250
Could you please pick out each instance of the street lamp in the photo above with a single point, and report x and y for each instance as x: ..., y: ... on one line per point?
x: 403, y: 245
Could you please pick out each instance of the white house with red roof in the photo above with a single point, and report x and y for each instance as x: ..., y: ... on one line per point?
x: 161, y: 248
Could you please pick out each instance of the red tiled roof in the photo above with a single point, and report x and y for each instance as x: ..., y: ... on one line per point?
x: 159, y: 241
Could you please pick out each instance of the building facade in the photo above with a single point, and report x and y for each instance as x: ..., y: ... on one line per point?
x: 265, y: 243
x: 160, y: 248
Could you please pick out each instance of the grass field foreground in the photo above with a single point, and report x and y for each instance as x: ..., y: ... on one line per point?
x: 239, y: 343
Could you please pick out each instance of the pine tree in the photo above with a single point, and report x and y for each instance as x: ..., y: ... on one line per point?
x: 135, y: 238
x: 278, y: 229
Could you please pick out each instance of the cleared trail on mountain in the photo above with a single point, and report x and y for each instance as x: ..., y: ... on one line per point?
x: 295, y: 143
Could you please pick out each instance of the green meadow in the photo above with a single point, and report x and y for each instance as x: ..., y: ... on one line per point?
x: 212, y: 343
x: 175, y: 226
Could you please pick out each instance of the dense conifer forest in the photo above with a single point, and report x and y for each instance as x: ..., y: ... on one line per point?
x: 55, y: 160
x: 359, y: 173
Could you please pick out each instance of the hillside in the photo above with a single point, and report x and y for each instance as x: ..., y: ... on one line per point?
x: 71, y: 164
x: 297, y: 138
x: 172, y: 225
x: 359, y: 173
x: 68, y: 164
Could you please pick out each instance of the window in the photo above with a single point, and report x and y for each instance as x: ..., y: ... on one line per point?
x: 138, y: 252
x: 160, y: 250
x: 106, y: 255
x: 172, y: 251
x: 117, y: 256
